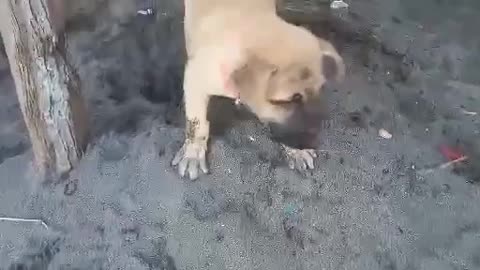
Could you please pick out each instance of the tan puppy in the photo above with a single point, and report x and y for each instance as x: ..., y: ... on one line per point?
x: 241, y: 49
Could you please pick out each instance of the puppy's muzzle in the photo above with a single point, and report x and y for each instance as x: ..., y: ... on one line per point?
x: 302, y: 129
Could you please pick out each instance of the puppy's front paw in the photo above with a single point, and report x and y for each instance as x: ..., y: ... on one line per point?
x: 300, y: 159
x: 191, y: 158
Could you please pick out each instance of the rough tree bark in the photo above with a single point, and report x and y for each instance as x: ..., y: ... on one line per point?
x: 47, y: 86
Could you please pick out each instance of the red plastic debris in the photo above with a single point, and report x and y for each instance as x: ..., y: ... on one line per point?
x: 451, y: 153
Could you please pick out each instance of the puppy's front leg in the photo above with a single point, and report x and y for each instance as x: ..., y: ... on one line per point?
x: 191, y: 158
x: 300, y: 159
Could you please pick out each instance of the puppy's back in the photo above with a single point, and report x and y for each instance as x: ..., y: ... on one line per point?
x: 205, y: 20
x: 199, y: 8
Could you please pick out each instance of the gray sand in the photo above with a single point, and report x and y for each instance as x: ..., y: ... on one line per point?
x: 412, y: 68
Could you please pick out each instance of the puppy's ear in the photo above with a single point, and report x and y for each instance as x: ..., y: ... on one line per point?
x: 252, y: 73
x: 332, y: 65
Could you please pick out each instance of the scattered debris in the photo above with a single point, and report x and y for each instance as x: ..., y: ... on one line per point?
x: 453, y: 162
x: 28, y: 220
x: 451, y: 153
x: 384, y: 134
x: 338, y: 4
x: 444, y: 165
x: 145, y: 12
x: 251, y: 138
x: 468, y: 112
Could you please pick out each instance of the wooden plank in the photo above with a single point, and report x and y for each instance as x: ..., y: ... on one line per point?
x: 47, y: 87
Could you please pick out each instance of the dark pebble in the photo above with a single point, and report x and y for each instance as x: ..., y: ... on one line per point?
x: 355, y: 117
x: 396, y: 20
x: 161, y: 152
x: 367, y: 109
x: 219, y: 236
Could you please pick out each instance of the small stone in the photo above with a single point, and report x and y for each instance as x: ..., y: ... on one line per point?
x: 355, y: 117
x: 367, y: 109
x: 161, y: 152
x: 396, y: 20
x: 219, y: 236
x: 384, y: 134
x: 338, y: 4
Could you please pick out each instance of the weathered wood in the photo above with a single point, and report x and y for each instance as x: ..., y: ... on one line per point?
x: 47, y: 86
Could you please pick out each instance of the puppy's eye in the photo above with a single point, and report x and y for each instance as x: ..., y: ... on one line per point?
x: 297, y: 98
x: 294, y: 99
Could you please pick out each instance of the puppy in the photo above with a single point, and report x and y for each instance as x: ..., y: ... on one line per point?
x: 243, y: 50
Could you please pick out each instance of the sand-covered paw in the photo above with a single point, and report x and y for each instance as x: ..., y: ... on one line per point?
x: 191, y: 159
x: 300, y: 159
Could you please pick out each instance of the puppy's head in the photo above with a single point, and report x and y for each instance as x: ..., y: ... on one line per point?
x: 286, y: 93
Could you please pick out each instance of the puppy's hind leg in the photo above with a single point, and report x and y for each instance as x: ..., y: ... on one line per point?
x: 191, y: 158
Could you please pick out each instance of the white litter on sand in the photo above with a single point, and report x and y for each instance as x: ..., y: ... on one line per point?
x: 27, y: 220
x: 147, y: 11
x: 384, y: 134
x: 468, y: 112
x: 338, y: 4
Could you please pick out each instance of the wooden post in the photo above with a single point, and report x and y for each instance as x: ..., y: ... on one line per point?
x: 48, y: 88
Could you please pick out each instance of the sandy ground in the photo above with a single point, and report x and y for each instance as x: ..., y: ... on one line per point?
x: 371, y: 203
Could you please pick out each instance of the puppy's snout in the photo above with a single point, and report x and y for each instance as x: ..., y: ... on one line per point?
x: 301, y: 129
